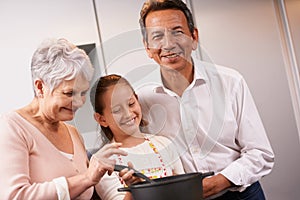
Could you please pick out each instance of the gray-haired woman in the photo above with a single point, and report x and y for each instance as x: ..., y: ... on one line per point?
x: 42, y: 157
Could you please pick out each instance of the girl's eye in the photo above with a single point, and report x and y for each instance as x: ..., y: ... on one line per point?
x: 116, y: 110
x: 131, y: 103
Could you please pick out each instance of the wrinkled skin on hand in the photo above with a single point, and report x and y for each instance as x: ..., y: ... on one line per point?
x: 101, y: 163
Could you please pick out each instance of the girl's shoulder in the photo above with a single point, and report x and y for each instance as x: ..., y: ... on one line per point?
x: 158, y: 139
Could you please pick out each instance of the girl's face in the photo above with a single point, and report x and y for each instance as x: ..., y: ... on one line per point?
x: 122, y: 111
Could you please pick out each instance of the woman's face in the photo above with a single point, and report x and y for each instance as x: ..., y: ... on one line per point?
x: 122, y: 111
x: 64, y: 101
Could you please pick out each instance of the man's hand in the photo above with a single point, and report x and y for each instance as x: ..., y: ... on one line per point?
x: 215, y: 184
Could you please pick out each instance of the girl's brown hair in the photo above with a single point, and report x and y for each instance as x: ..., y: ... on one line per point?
x: 96, y: 97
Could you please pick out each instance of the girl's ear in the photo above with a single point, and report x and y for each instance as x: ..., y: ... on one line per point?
x: 100, y: 119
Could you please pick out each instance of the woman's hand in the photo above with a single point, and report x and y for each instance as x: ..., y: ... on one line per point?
x: 127, y: 175
x: 101, y: 163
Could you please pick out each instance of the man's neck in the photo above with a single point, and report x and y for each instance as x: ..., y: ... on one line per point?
x: 177, y: 81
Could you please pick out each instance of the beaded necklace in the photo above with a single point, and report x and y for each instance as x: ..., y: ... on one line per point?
x: 155, y: 171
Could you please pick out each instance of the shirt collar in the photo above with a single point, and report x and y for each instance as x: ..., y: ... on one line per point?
x: 199, y: 78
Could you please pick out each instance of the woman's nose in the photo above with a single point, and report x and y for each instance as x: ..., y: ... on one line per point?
x: 78, y: 101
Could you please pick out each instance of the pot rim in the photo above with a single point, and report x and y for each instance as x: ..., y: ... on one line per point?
x: 169, y: 180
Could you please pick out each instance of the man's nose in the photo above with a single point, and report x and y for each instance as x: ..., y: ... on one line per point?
x: 168, y: 41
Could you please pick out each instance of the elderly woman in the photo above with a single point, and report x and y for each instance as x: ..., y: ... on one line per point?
x: 42, y: 157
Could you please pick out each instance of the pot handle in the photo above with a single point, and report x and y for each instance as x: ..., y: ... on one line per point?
x: 118, y: 168
x: 207, y: 174
x: 124, y: 189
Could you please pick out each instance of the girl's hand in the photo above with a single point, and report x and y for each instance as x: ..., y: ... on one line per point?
x: 127, y: 175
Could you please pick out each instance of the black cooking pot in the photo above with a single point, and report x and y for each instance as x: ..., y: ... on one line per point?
x: 178, y: 187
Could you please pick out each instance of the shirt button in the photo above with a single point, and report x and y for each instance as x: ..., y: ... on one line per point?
x: 194, y: 150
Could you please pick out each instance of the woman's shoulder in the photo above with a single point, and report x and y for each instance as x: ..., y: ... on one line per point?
x: 11, y: 119
x: 71, y: 127
x: 74, y: 132
x: 8, y: 115
x: 14, y: 128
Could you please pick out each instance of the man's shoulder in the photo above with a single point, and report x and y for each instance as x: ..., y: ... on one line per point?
x: 213, y: 68
x: 212, y: 71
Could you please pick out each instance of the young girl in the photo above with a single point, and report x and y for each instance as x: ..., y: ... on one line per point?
x: 118, y: 112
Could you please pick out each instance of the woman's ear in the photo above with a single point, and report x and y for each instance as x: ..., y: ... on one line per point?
x: 39, y: 88
x: 100, y: 119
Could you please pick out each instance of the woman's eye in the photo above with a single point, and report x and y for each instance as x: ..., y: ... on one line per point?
x: 83, y: 93
x: 69, y: 94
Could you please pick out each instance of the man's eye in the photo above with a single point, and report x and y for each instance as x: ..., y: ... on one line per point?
x: 177, y: 32
x: 157, y: 37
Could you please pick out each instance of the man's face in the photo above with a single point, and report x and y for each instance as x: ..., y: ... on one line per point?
x: 169, y: 40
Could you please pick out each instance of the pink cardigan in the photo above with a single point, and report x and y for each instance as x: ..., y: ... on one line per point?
x: 29, y: 161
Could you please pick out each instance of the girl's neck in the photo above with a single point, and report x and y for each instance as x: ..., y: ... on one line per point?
x: 130, y: 140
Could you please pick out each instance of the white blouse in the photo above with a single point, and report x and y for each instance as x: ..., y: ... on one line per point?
x: 164, y: 163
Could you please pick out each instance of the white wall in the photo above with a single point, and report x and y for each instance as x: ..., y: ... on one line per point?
x: 24, y: 24
x: 245, y: 35
x: 293, y: 15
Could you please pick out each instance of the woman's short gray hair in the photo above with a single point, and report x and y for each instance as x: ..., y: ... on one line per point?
x: 57, y: 60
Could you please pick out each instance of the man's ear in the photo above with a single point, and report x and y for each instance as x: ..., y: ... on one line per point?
x: 195, y: 37
x: 147, y: 48
x: 100, y: 119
